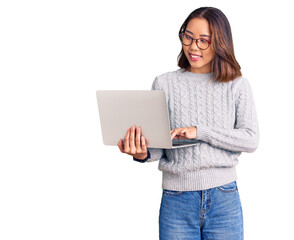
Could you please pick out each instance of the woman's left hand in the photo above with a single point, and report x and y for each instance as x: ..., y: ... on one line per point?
x: 184, y: 133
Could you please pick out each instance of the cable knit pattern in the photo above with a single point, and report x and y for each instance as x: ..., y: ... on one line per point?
x: 226, y: 121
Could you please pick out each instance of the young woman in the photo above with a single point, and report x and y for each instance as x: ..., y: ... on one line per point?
x: 208, y: 100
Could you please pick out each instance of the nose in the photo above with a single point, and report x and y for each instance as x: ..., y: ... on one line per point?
x: 194, y: 46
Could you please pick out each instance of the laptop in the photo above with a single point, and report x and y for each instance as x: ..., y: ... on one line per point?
x: 120, y: 109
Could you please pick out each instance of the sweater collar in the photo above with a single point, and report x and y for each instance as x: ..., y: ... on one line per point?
x: 196, y: 76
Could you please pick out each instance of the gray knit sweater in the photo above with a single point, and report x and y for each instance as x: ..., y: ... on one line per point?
x: 226, y: 121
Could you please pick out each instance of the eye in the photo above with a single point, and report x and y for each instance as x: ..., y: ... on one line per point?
x: 188, y: 37
x: 202, y: 40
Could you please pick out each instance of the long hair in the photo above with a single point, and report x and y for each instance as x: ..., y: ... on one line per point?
x: 224, y: 64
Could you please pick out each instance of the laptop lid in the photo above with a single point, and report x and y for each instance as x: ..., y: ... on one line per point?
x: 120, y: 109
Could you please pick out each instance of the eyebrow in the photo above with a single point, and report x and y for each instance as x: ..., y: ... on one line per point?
x: 202, y: 35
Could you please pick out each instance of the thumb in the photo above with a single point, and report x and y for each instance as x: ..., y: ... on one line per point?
x: 120, y: 145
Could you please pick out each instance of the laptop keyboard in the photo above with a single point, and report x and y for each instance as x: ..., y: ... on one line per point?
x: 178, y: 142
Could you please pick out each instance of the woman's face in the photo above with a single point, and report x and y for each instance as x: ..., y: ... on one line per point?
x: 199, y: 28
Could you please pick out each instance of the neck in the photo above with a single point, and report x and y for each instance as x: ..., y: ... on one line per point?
x: 193, y: 70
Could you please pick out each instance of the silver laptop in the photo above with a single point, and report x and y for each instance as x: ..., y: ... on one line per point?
x: 120, y: 109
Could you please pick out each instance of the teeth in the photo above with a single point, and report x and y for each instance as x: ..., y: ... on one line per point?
x: 194, y: 56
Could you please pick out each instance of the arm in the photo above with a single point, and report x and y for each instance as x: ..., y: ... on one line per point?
x: 245, y: 135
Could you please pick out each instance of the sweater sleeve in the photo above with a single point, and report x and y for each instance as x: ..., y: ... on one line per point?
x: 245, y: 135
x: 154, y: 154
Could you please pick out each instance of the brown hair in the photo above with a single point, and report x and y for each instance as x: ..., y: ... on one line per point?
x: 224, y: 64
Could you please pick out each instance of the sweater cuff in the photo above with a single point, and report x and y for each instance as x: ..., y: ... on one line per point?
x: 202, y: 133
x: 143, y: 160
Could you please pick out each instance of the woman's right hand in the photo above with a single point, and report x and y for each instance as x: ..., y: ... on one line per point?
x: 134, y: 147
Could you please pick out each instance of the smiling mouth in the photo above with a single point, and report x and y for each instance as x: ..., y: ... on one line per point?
x: 195, y: 57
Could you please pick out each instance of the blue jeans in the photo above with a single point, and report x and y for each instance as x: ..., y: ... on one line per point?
x: 214, y: 214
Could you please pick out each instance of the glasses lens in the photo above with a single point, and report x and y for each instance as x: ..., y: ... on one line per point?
x: 186, y: 39
x: 202, y: 44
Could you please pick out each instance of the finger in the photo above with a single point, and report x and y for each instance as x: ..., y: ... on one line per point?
x: 127, y: 145
x: 171, y: 133
x: 183, y: 130
x: 132, y: 139
x: 175, y: 132
x: 182, y: 134
x: 120, y: 145
x: 138, y: 140
x: 146, y: 142
x: 144, y: 147
x: 186, y: 133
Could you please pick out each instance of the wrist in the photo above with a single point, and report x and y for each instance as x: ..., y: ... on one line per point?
x: 144, y: 159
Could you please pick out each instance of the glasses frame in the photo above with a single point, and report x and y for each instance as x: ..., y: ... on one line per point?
x: 196, y: 40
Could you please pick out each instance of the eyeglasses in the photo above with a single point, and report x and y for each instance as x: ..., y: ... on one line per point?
x: 201, y: 43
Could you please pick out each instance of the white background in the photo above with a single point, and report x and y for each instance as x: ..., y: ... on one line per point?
x: 58, y: 180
